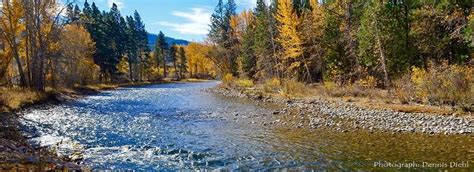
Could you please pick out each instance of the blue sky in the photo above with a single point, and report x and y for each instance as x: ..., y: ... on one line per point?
x: 183, y: 19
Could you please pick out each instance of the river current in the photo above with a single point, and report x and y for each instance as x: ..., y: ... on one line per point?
x: 180, y: 126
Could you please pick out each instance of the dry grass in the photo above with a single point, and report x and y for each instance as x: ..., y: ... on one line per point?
x: 228, y: 80
x: 293, y: 88
x: 102, y: 86
x: 330, y: 89
x: 272, y: 85
x: 194, y: 80
x: 373, y: 98
x: 15, y: 98
x: 408, y: 108
x: 244, y: 83
x: 439, y: 85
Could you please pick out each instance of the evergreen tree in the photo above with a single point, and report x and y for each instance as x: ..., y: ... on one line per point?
x: 183, y: 62
x: 73, y: 13
x: 160, y: 50
x: 142, y: 34
x: 132, y: 46
x: 172, y: 57
x: 262, y: 36
x: 115, y: 38
x: 248, y: 59
x: 217, y: 24
x: 223, y: 35
x: 312, y: 29
x: 231, y: 43
x: 372, y: 38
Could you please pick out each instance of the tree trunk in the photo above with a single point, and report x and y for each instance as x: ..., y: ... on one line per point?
x: 19, y: 65
x: 164, y: 64
x: 383, y: 60
x: 130, y: 68
x: 176, y: 70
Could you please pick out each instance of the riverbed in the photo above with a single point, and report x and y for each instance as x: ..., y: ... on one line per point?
x: 180, y: 126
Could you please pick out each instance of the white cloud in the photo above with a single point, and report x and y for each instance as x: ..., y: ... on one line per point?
x: 197, y: 22
x: 119, y: 3
x: 249, y: 4
x: 246, y: 4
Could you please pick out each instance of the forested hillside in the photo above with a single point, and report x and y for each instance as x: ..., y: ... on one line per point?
x: 152, y: 40
x: 421, y: 49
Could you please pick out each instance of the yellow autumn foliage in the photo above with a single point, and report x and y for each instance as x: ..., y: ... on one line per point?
x: 444, y: 84
x: 289, y: 37
x: 272, y: 85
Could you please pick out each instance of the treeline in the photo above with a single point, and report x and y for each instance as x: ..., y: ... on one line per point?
x: 341, y: 41
x: 45, y: 45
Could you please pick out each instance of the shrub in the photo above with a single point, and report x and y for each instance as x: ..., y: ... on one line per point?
x: 272, y: 85
x: 293, y: 87
x: 245, y: 83
x: 228, y: 80
x: 368, y: 82
x: 444, y: 84
x: 404, y: 89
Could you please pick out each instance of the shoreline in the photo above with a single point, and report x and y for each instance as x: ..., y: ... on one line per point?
x: 17, y: 153
x: 342, y: 116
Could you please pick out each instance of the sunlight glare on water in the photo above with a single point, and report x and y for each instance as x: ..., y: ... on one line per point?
x: 176, y: 126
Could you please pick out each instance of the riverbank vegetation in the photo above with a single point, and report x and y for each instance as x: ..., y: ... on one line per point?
x: 405, y: 52
x: 48, y: 46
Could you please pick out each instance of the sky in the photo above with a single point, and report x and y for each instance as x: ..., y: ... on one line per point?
x: 182, y: 19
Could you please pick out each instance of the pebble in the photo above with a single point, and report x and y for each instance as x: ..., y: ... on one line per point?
x: 324, y: 113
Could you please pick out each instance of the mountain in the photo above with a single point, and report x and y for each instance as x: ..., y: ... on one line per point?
x: 152, y: 40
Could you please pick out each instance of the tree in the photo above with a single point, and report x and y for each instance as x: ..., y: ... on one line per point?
x: 183, y: 68
x: 289, y: 38
x: 141, y: 40
x: 73, y: 13
x: 160, y: 51
x: 42, y: 21
x: 248, y: 59
x: 372, y: 37
x: 172, y: 57
x: 76, y: 61
x: 132, y: 46
x: 200, y: 64
x: 312, y: 32
x: 224, y: 36
x: 11, y: 29
x: 263, y: 39
x: 437, y: 27
x: 217, y: 24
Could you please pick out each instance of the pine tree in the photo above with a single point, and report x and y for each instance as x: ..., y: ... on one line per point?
x: 160, y: 49
x: 372, y: 38
x: 217, y: 22
x: 183, y: 62
x: 248, y: 59
x: 312, y: 32
x: 73, y: 13
x: 115, y: 37
x: 223, y: 35
x: 132, y: 46
x: 264, y: 50
x: 231, y: 43
x: 172, y: 57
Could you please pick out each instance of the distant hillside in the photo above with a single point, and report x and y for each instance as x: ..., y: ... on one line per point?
x: 152, y: 40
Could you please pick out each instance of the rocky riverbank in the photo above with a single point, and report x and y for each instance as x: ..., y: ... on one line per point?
x: 346, y: 116
x: 17, y: 153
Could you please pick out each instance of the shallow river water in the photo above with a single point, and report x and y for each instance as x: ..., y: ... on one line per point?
x: 179, y: 126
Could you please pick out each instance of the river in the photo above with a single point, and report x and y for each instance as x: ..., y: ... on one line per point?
x: 179, y: 126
